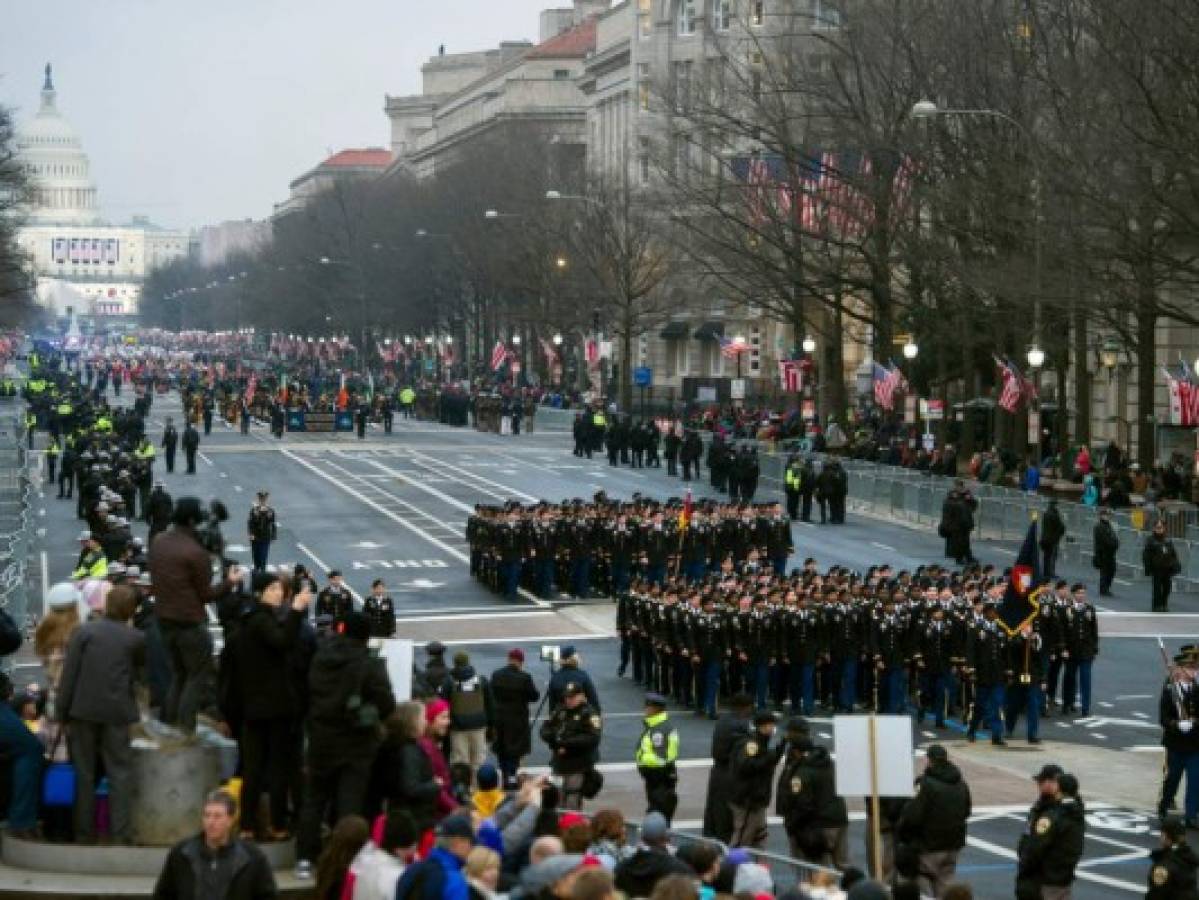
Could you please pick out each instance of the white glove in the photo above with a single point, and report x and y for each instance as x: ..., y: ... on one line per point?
x: 1185, y: 726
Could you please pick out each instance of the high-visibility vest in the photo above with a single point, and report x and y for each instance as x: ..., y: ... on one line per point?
x: 659, y: 744
x: 794, y: 478
x: 93, y: 565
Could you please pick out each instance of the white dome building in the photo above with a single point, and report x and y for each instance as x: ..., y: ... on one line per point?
x: 53, y: 154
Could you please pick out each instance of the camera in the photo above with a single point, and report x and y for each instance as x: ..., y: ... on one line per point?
x: 551, y: 653
x: 208, y: 532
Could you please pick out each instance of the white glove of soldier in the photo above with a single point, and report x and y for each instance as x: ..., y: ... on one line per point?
x: 1185, y: 726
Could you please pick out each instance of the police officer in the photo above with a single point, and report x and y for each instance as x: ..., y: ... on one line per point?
x: 934, y: 822
x: 380, y: 611
x: 1052, y: 842
x: 752, y: 765
x: 657, y: 752
x: 570, y: 674
x: 815, y: 818
x: 191, y: 446
x: 170, y: 441
x: 1161, y: 563
x: 572, y: 732
x: 92, y: 562
x: 158, y: 510
x: 793, y: 486
x: 1172, y: 873
x: 262, y: 528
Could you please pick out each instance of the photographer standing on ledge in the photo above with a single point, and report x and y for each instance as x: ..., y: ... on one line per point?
x: 181, y: 576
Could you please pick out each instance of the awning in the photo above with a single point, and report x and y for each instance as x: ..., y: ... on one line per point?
x: 674, y: 331
x: 710, y: 331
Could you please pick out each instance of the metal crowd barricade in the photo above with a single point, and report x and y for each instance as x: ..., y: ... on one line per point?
x: 16, y: 519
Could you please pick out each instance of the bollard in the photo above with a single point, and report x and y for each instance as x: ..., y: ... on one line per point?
x: 170, y: 782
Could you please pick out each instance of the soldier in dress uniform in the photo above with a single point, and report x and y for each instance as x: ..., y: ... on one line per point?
x: 380, y: 611
x: 987, y: 662
x: 1178, y: 710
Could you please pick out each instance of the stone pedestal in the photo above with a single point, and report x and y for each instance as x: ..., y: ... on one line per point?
x: 169, y: 787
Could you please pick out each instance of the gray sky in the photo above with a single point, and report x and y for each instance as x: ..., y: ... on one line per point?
x: 193, y: 113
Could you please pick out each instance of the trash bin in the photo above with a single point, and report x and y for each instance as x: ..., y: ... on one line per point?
x: 170, y: 782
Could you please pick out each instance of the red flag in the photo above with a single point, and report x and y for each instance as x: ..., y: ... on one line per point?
x: 499, y: 354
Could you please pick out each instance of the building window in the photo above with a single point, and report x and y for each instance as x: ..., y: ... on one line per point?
x: 825, y: 15
x: 643, y: 160
x: 645, y: 22
x: 643, y: 96
x: 682, y: 85
x: 682, y: 156
x: 722, y: 14
x: 687, y: 16
x: 755, y: 85
x: 757, y: 12
x: 561, y: 74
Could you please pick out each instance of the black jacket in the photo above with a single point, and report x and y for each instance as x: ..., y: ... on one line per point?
x: 512, y: 690
x: 1172, y: 873
x: 718, y: 819
x: 1053, y: 528
x: 1051, y: 846
x: 341, y: 668
x: 1106, y: 543
x: 752, y: 765
x: 184, y: 869
x: 1159, y: 557
x: 264, y: 644
x: 638, y: 874
x: 807, y: 791
x: 934, y: 821
x: 403, y: 776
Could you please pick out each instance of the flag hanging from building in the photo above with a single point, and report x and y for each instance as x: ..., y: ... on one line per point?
x: 791, y: 375
x: 499, y: 355
x: 1184, y: 397
x: 1013, y: 387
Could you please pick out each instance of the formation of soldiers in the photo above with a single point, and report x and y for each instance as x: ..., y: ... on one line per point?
x: 491, y: 409
x: 924, y: 642
x: 585, y: 549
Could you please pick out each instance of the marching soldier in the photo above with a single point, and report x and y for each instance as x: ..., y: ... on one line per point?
x: 1081, y: 628
x: 572, y: 733
x: 170, y: 442
x: 380, y: 611
x: 1178, y: 710
x: 987, y: 661
x: 657, y: 752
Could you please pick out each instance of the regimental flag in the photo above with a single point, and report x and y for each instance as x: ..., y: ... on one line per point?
x: 791, y: 375
x: 343, y: 396
x: 685, y: 513
x: 886, y: 383
x: 731, y: 348
x: 499, y: 355
x: 1020, y: 604
x: 251, y: 387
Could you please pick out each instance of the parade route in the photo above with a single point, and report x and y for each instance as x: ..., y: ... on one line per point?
x: 395, y: 506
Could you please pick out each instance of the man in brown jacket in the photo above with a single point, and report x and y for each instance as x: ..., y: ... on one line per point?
x: 181, y: 576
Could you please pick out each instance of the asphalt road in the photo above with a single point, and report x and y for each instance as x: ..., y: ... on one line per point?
x: 394, y: 507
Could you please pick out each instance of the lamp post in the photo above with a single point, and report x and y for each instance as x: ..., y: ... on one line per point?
x: 326, y: 261
x: 911, y: 350
x: 809, y: 344
x: 927, y: 109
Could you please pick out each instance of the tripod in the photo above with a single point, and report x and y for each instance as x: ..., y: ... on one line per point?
x: 544, y: 697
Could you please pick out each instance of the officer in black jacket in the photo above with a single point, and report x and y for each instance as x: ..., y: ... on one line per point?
x: 572, y: 732
x: 814, y: 816
x: 752, y: 764
x: 1106, y: 545
x: 380, y: 611
x: 730, y: 730
x: 1052, y: 842
x: 933, y: 823
x: 1174, y: 864
x: 1161, y: 563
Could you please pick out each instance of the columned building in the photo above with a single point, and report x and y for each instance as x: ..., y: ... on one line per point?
x: 82, y: 263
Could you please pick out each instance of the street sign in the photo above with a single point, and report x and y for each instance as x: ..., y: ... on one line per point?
x: 1034, y: 427
x: 909, y: 409
x: 930, y: 442
x: 737, y: 389
x: 934, y: 409
x: 705, y: 394
x: 643, y: 376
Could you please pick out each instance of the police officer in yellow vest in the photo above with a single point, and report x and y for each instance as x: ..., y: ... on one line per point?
x: 52, y: 452
x: 30, y: 428
x: 92, y: 562
x: 407, y: 398
x: 793, y: 484
x: 657, y: 753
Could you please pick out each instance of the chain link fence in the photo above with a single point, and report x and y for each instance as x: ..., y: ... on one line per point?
x: 16, y: 514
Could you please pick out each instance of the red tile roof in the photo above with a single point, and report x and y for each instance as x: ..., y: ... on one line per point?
x: 573, y: 44
x: 371, y: 157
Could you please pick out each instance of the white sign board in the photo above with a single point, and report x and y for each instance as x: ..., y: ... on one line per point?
x: 893, y: 755
x: 737, y: 389
x: 705, y: 395
x: 397, y: 654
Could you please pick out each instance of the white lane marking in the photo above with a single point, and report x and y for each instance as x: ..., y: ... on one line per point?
x: 886, y: 547
x: 1145, y: 748
x: 511, y: 491
x: 1005, y: 552
x: 45, y: 578
x: 1102, y: 737
x: 523, y: 614
x: 207, y: 461
x: 1141, y: 715
x: 531, y: 639
x: 1122, y: 581
x: 1108, y: 860
x: 237, y: 487
x: 1007, y: 853
x: 320, y: 565
x: 401, y: 613
x: 1105, y: 704
x: 1134, y: 696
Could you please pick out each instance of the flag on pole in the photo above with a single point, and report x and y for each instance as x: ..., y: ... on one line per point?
x: 499, y: 355
x: 1013, y: 388
x: 343, y: 396
x: 732, y: 347
x: 886, y: 383
x: 1020, y: 599
x: 791, y: 375
x: 251, y: 387
x: 685, y: 514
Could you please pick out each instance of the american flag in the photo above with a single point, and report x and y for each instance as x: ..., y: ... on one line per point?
x: 499, y: 355
x: 251, y: 388
x: 1013, y: 388
x: 791, y: 375
x: 757, y: 176
x: 886, y: 383
x: 551, y: 354
x: 733, y: 347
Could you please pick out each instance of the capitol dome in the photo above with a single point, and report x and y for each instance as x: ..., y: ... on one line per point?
x: 52, y: 153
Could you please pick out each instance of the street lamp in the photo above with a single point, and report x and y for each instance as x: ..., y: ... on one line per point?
x: 911, y: 350
x: 809, y: 344
x: 516, y: 340
x: 1109, y: 354
x: 1035, y: 356
x: 557, y: 339
x: 561, y: 262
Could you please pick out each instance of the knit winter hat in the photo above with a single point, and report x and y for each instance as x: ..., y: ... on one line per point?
x: 435, y: 708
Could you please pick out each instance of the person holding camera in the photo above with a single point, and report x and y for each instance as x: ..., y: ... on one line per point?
x: 567, y: 674
x: 572, y: 732
x: 268, y: 635
x: 181, y: 578
x: 349, y: 697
